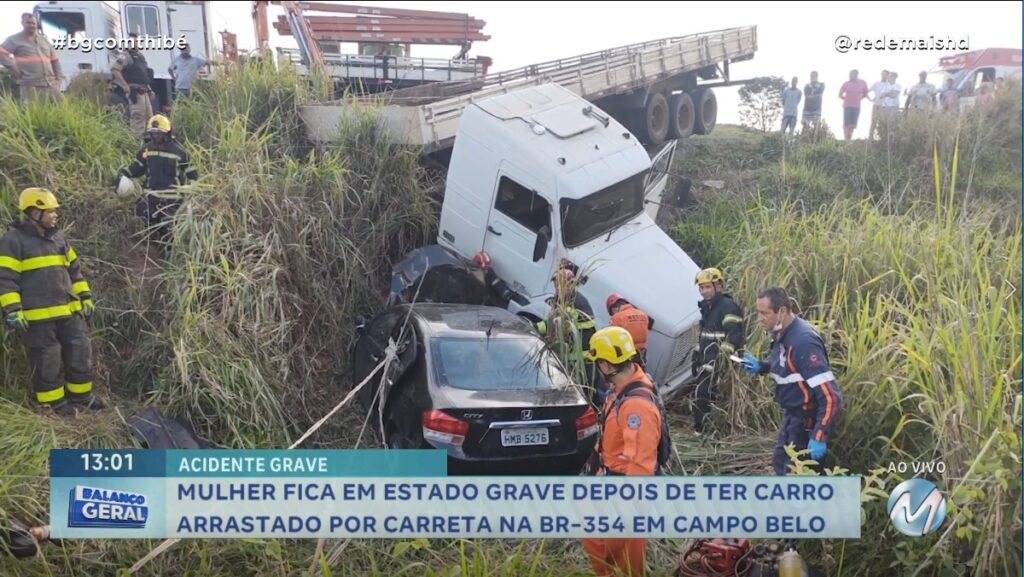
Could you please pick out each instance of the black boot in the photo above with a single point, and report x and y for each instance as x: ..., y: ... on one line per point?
x: 61, y: 408
x: 89, y: 401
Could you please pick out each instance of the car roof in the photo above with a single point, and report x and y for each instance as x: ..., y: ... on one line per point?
x: 457, y: 320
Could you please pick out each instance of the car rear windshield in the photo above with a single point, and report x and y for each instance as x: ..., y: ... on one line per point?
x: 496, y: 364
x: 591, y: 216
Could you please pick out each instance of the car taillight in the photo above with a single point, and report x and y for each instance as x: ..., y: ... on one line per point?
x: 443, y: 428
x: 586, y: 425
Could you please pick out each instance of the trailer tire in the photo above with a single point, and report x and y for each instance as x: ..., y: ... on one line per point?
x: 654, y: 121
x: 706, y: 106
x: 681, y: 116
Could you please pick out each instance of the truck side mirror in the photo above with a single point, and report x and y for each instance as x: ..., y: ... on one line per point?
x: 541, y: 247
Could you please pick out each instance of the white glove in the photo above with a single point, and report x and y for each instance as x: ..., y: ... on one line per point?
x: 125, y: 186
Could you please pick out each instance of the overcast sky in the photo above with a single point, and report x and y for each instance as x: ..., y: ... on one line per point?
x: 793, y: 39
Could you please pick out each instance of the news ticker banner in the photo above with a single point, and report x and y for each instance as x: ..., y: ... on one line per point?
x: 146, y: 494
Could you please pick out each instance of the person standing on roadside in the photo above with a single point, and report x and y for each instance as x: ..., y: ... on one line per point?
x: 852, y: 92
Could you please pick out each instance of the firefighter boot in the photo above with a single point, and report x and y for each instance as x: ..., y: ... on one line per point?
x: 61, y: 408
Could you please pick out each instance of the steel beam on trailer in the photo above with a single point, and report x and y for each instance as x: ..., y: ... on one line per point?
x: 329, y: 21
x: 375, y: 11
x: 407, y: 28
x: 350, y: 23
x: 398, y: 39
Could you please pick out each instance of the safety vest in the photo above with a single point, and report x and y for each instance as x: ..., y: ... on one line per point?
x: 634, y: 433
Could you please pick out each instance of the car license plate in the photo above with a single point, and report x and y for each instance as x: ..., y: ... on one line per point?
x: 523, y: 437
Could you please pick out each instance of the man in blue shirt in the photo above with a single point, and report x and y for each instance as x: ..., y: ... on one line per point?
x: 184, y: 70
x: 805, y: 387
x: 790, y: 104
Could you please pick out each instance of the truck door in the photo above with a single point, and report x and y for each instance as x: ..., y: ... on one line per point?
x: 657, y: 179
x: 517, y: 216
x: 68, y: 23
x: 149, y: 19
x: 187, y: 20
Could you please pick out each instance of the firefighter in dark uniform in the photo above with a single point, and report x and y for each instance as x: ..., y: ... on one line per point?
x: 805, y: 387
x: 721, y: 334
x: 166, y: 165
x: 46, y: 299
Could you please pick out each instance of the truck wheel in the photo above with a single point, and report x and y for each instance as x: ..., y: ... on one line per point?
x: 654, y: 120
x: 706, y: 107
x: 680, y: 118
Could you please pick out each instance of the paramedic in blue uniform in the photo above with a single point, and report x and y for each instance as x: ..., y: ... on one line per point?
x: 805, y: 386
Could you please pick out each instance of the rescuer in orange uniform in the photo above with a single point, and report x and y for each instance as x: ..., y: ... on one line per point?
x: 629, y: 441
x: 634, y: 320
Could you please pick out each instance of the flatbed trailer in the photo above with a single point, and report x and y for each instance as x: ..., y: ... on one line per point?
x: 660, y: 89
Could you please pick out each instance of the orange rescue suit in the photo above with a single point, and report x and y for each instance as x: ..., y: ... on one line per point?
x: 629, y: 446
x: 636, y: 322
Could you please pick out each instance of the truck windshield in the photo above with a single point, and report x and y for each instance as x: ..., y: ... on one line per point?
x: 587, y: 218
x: 481, y: 364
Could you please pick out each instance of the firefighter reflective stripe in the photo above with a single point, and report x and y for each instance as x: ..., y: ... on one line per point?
x: 727, y: 347
x: 80, y: 388
x: 542, y: 327
x: 11, y: 263
x: 165, y: 194
x: 35, y: 263
x: 588, y: 324
x: 79, y: 287
x: 160, y: 154
x: 730, y: 319
x: 72, y: 257
x: 50, y: 396
x: 8, y: 299
x: 58, y: 311
x: 712, y: 335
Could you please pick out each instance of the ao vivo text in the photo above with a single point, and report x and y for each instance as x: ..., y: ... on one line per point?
x: 918, y: 467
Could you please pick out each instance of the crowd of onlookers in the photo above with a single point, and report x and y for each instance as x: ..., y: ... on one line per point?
x: 885, y: 96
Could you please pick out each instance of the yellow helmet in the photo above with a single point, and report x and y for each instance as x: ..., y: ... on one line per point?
x: 611, y: 344
x: 158, y: 123
x: 709, y: 276
x: 35, y: 197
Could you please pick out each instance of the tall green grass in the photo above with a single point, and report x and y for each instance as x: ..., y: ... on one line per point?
x: 915, y: 290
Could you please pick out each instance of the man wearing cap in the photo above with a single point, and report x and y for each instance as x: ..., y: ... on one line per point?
x: 166, y: 165
x: 132, y: 75
x: 46, y: 299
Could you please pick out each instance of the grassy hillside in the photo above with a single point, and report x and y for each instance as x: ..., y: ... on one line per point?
x: 906, y: 254
x: 242, y: 328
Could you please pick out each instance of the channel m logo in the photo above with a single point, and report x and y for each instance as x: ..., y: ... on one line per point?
x: 916, y: 507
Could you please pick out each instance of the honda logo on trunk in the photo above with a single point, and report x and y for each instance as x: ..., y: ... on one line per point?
x: 526, y: 415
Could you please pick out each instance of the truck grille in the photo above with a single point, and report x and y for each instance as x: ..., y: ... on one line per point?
x: 685, y: 345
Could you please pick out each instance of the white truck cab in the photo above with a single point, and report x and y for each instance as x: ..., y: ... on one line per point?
x: 540, y: 174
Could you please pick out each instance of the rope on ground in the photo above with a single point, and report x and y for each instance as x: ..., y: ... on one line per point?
x: 391, y: 352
